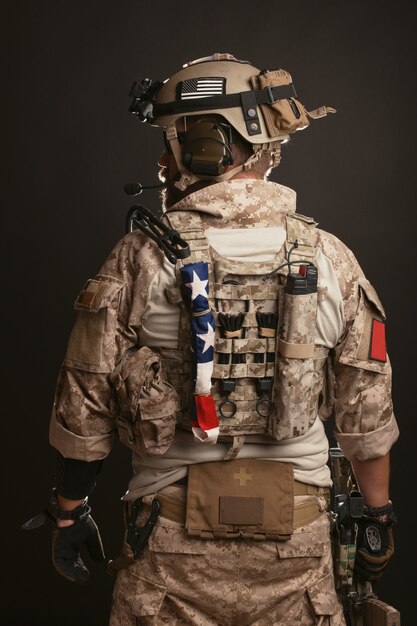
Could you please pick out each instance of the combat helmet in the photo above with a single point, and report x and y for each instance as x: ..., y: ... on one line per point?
x: 260, y: 105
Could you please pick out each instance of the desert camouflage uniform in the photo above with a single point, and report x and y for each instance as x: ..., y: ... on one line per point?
x: 181, y: 580
x: 186, y: 580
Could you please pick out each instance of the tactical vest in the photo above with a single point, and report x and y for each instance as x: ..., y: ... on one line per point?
x: 267, y: 372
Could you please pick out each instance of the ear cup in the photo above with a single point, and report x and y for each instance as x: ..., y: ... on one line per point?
x: 206, y: 149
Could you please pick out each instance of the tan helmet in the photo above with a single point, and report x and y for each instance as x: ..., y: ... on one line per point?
x: 262, y: 106
x: 187, y: 93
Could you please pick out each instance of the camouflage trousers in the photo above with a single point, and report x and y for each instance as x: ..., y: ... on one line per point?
x: 180, y: 580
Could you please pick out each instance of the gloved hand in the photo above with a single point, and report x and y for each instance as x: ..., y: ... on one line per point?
x: 68, y: 540
x: 66, y: 545
x: 374, y: 548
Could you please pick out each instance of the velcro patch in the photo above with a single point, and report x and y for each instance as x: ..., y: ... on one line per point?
x: 89, y: 294
x: 238, y: 510
x: 97, y: 294
x: 202, y: 87
x: 378, y: 347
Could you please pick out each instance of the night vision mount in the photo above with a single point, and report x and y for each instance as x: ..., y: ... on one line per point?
x: 144, y: 94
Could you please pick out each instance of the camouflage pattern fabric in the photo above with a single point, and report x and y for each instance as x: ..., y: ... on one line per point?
x: 83, y: 421
x: 196, y: 582
x: 182, y: 580
x: 346, y: 563
x: 112, y: 307
x: 148, y: 404
x: 250, y: 289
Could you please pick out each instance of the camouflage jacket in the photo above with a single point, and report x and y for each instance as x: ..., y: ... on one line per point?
x: 125, y: 306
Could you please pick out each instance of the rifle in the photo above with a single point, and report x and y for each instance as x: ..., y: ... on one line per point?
x: 361, y: 606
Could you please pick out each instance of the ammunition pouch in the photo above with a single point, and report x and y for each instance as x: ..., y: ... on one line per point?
x: 148, y: 404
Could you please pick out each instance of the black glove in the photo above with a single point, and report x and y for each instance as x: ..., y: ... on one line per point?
x: 66, y: 545
x: 374, y: 548
x: 67, y: 541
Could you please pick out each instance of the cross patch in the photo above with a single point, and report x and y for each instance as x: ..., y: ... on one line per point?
x: 242, y: 476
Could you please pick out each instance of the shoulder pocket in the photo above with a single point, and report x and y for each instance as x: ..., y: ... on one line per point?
x: 97, y: 293
x: 92, y: 344
x: 365, y: 344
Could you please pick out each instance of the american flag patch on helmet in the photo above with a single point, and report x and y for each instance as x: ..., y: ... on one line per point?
x: 201, y: 87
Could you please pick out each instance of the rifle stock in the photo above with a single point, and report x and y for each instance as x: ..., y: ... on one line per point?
x: 379, y: 613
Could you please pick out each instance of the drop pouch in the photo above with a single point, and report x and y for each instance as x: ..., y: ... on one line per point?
x: 243, y: 498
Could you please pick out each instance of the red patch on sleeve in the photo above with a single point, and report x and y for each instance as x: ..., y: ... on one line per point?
x: 378, y: 351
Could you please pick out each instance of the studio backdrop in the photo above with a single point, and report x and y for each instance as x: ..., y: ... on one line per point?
x: 70, y: 148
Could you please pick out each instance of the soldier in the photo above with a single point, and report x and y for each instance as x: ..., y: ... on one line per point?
x: 214, y: 344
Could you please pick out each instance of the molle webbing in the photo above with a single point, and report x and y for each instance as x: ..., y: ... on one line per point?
x: 247, y: 305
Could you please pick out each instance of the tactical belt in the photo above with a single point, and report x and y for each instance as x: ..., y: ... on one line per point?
x: 304, y: 513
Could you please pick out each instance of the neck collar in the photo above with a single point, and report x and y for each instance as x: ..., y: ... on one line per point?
x: 239, y: 203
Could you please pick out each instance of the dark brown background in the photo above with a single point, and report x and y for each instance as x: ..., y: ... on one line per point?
x: 71, y: 146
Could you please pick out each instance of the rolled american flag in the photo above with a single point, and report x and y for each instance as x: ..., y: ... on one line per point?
x: 194, y: 276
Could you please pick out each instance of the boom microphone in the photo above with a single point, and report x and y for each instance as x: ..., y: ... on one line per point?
x: 134, y: 189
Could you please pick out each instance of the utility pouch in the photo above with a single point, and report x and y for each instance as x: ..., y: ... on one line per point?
x: 148, y: 404
x: 298, y: 380
x: 285, y: 115
x: 244, y: 498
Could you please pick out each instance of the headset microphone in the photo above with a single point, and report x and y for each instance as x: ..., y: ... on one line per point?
x: 134, y: 189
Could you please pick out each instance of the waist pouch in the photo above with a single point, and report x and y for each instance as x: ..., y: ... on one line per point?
x: 244, y: 498
x: 148, y: 404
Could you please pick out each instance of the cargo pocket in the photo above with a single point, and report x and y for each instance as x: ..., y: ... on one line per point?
x: 156, y: 417
x: 309, y: 549
x: 135, y: 596
x: 182, y: 563
x: 323, y: 598
x: 148, y: 404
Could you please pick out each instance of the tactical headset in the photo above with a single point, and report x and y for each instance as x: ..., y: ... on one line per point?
x: 205, y: 148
